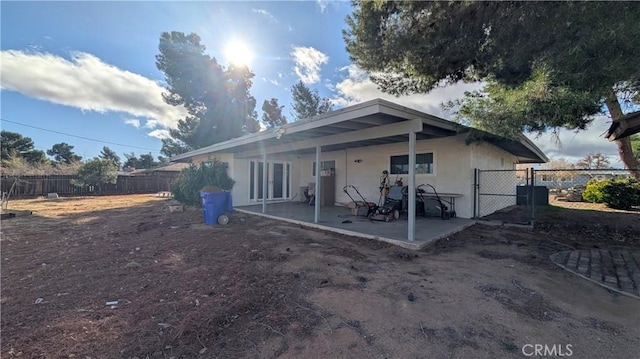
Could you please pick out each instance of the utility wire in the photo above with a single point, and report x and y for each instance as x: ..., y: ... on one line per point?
x: 81, y: 137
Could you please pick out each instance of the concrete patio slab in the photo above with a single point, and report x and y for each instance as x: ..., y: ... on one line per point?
x: 340, y: 220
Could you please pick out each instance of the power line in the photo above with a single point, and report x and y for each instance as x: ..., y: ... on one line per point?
x: 81, y: 137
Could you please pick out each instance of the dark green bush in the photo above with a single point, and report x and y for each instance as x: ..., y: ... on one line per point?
x: 615, y: 193
x: 187, y: 187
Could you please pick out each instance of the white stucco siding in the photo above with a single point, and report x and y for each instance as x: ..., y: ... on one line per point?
x: 452, y: 171
x: 498, y: 187
x: 454, y: 162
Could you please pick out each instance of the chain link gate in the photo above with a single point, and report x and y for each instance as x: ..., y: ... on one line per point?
x: 504, y: 195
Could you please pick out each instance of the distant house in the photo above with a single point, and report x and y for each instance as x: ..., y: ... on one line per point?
x: 172, y: 170
x: 151, y: 179
x: 559, y: 179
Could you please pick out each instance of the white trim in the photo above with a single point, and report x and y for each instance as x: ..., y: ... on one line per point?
x: 270, y: 172
x: 393, y: 129
x: 404, y: 115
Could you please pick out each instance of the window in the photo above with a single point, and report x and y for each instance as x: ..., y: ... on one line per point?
x: 399, y: 165
x: 324, y: 165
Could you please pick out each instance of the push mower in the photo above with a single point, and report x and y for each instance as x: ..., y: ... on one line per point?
x: 389, y: 210
x: 364, y: 208
x: 371, y: 210
x: 433, y: 204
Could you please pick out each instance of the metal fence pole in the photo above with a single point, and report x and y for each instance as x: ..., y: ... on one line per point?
x: 533, y: 196
x: 475, y: 191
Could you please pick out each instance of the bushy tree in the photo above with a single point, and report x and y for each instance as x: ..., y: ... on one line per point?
x: 147, y: 161
x: 109, y: 154
x: 96, y: 172
x: 186, y: 188
x: 272, y: 113
x: 308, y: 103
x: 13, y: 145
x: 132, y: 160
x: 547, y: 64
x: 217, y: 100
x: 593, y: 161
x: 63, y: 153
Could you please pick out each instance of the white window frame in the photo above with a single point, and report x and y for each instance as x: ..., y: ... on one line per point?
x: 418, y: 152
x: 322, y: 163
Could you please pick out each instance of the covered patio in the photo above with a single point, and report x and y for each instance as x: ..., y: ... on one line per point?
x: 364, y: 131
x: 333, y: 218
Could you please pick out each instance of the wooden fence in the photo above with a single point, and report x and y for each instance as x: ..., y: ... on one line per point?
x: 41, y: 185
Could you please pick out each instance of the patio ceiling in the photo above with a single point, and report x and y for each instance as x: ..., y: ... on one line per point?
x: 371, y: 123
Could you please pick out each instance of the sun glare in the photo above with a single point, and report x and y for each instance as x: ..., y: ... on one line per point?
x: 238, y: 53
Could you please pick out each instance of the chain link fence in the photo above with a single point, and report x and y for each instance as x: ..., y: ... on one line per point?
x: 512, y: 196
x: 504, y: 195
x: 566, y: 186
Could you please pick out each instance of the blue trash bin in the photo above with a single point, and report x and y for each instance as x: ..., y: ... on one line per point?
x: 214, y: 205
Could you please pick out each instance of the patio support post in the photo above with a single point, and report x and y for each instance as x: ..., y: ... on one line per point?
x: 316, y: 193
x: 264, y: 182
x: 412, y: 187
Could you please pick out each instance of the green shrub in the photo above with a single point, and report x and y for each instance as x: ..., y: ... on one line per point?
x: 593, y: 191
x: 187, y: 187
x: 615, y: 193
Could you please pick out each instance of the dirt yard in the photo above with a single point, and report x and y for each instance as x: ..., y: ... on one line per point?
x: 258, y: 288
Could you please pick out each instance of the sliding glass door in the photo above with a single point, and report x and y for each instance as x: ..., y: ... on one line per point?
x: 278, y: 180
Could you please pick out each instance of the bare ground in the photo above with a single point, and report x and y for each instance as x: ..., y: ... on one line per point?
x: 262, y: 288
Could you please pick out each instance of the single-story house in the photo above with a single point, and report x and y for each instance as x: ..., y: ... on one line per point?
x: 353, y: 146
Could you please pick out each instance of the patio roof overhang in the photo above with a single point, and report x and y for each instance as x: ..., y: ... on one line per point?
x: 626, y: 126
x: 371, y: 123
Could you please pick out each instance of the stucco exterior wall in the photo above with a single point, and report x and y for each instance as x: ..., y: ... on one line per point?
x: 452, y: 171
x: 454, y: 162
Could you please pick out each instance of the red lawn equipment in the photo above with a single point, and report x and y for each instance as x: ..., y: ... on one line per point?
x: 364, y: 208
x: 388, y: 210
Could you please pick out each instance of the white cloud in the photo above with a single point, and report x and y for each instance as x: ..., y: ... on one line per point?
x: 133, y: 122
x: 322, y: 5
x: 308, y: 61
x: 574, y: 145
x: 87, y: 83
x: 151, y: 124
x: 266, y: 14
x: 159, y: 134
x: 275, y: 82
x: 356, y: 87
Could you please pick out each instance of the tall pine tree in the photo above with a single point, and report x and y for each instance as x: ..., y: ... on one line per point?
x: 217, y: 100
x: 547, y: 64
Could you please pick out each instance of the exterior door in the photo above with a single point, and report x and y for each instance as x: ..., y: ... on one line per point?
x: 278, y: 180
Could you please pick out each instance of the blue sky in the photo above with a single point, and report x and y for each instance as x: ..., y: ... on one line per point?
x: 88, y: 68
